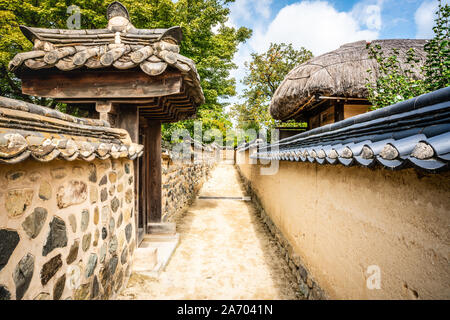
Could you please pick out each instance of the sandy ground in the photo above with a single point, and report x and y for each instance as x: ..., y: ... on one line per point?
x: 224, y: 252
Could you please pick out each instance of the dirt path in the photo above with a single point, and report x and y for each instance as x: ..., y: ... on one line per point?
x: 224, y: 252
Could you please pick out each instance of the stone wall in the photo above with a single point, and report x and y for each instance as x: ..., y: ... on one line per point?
x: 181, y: 181
x: 67, y: 228
x: 339, y: 225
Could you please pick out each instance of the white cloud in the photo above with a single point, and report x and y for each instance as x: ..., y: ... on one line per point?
x: 319, y: 27
x: 246, y: 10
x: 424, y: 18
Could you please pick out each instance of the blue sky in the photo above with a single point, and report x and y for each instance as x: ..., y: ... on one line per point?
x: 322, y: 26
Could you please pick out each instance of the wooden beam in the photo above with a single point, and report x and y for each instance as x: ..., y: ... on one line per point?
x: 101, y: 85
x: 154, y: 171
x: 338, y: 111
x: 107, y: 111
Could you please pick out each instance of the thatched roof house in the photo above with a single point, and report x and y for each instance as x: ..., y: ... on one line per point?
x: 331, y: 87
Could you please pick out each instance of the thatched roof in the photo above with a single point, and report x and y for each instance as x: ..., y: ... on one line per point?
x: 340, y: 73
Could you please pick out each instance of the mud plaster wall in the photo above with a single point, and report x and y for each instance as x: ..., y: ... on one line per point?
x: 67, y: 229
x: 342, y: 220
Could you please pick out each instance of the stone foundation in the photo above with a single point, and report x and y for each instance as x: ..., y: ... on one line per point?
x: 306, y: 284
x: 181, y: 181
x: 67, y: 229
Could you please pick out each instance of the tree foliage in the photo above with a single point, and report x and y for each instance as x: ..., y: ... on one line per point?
x: 396, y: 80
x: 206, y: 39
x: 395, y: 83
x: 264, y: 74
x: 437, y: 65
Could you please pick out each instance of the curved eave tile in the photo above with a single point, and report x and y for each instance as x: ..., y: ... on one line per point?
x: 431, y: 164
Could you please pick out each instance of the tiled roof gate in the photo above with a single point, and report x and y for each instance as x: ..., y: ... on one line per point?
x: 136, y: 79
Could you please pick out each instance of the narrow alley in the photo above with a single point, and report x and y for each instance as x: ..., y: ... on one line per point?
x: 225, y: 252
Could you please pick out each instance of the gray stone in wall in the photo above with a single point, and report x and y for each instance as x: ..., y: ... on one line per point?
x: 84, y: 220
x: 103, y: 180
x: 93, y: 194
x: 104, y: 277
x: 112, y: 189
x: 73, y: 252
x: 127, y: 168
x: 129, y: 195
x: 45, y: 190
x: 86, y: 242
x: 119, y: 220
x: 4, y: 293
x: 113, y: 245
x: 57, y: 236
x: 50, y: 268
x: 9, y: 241
x: 103, y: 195
x: 112, y: 265
x: 303, y: 288
x: 58, y: 289
x: 105, y: 213
x: 91, y: 264
x: 23, y: 274
x: 103, y: 252
x: 302, y: 272
x: 112, y: 177
x: 115, y: 203
x: 112, y: 225
x: 73, y: 223
x: 73, y: 192
x: 128, y: 231
x: 82, y: 293
x: 34, y: 222
x: 92, y: 172
x: 119, y: 281
x: 104, y: 233
x: 124, y: 255
x: 17, y: 201
x: 95, y: 288
x: 15, y: 175
x: 96, y: 237
x: 58, y: 173
x: 96, y: 215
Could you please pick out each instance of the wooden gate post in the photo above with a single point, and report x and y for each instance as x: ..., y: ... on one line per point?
x: 153, y: 150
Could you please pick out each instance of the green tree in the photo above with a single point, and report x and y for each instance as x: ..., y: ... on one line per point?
x: 437, y: 65
x: 399, y: 80
x: 206, y: 39
x: 264, y: 74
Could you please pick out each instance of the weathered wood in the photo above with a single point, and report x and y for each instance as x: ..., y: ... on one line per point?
x: 338, y: 111
x: 154, y: 170
x: 101, y: 85
x: 162, y: 228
